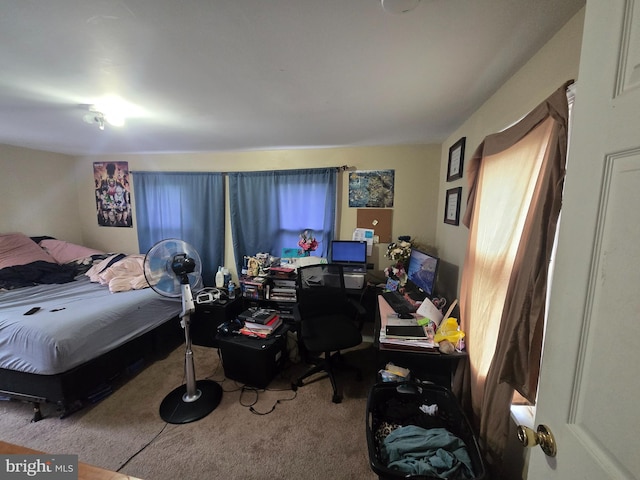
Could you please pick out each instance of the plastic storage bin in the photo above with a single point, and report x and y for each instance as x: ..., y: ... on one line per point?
x: 428, y: 406
x: 253, y: 361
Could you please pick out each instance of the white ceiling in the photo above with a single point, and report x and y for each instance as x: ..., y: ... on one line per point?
x: 210, y: 75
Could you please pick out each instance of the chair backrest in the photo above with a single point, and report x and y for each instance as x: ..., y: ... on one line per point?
x: 321, y: 288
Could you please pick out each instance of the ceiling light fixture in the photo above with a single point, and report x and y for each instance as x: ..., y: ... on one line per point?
x: 95, y: 117
x: 101, y: 115
x: 399, y: 6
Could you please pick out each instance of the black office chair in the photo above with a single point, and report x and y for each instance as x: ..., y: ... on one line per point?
x: 329, y: 321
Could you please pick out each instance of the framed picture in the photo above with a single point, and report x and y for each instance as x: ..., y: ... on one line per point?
x: 452, y: 206
x: 456, y: 160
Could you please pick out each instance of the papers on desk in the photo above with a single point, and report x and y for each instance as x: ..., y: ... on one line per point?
x: 428, y: 310
x: 392, y: 337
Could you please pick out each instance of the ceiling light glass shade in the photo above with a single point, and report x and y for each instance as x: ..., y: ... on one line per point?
x: 115, y: 110
x: 399, y: 6
x: 115, y: 119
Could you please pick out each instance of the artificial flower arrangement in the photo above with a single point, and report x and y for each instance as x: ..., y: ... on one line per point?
x: 307, y: 242
x: 399, y: 252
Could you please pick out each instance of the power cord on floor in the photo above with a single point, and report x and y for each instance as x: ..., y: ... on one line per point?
x: 257, y: 391
x: 150, y: 441
x: 143, y: 447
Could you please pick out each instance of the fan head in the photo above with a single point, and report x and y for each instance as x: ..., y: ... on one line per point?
x: 171, y: 263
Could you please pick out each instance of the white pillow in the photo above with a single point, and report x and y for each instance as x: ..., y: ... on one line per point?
x: 18, y: 249
x: 65, y: 252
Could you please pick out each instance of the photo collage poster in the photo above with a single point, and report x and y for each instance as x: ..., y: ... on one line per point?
x: 113, y: 194
x: 371, y: 188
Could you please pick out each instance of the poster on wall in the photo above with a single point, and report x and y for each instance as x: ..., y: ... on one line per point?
x: 371, y: 188
x: 113, y: 194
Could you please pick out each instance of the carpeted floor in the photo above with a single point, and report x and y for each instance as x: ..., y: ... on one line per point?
x: 305, y: 435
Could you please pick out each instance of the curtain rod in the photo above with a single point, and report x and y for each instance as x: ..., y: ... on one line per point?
x: 341, y: 168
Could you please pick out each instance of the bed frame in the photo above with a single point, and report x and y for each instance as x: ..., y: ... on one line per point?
x: 90, y: 382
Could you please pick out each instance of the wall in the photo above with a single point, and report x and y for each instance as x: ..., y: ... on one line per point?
x: 555, y: 63
x: 38, y: 194
x: 416, y: 188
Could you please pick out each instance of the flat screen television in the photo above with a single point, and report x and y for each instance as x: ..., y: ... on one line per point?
x: 422, y: 272
x: 349, y: 252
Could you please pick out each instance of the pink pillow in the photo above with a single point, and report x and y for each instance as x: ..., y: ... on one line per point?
x: 65, y: 252
x: 18, y: 249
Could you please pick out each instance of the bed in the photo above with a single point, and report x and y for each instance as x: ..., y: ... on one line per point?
x: 96, y: 322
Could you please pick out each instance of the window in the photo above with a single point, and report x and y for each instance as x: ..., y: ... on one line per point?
x: 270, y: 209
x: 516, y: 179
x: 184, y: 205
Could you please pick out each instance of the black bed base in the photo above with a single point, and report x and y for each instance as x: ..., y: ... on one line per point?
x: 94, y: 380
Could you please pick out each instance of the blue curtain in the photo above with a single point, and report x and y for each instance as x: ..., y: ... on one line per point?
x: 270, y: 209
x: 185, y: 205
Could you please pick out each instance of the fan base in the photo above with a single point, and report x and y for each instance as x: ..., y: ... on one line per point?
x: 174, y: 409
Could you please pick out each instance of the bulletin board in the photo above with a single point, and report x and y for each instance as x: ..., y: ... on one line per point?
x: 377, y: 218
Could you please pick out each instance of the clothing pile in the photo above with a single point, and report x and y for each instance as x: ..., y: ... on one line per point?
x: 434, y: 452
x: 120, y: 272
x: 419, y: 430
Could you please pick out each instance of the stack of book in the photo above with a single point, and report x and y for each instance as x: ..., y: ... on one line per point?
x: 253, y: 287
x: 283, y: 287
x: 283, y: 272
x: 283, y: 294
x: 259, y: 322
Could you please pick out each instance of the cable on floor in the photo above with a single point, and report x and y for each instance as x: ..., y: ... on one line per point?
x: 142, y: 448
x: 257, y: 391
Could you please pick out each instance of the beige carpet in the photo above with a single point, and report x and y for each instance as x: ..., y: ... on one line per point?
x: 305, y: 436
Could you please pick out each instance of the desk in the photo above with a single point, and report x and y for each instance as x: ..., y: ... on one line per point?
x: 424, y: 364
x: 85, y: 471
x: 207, y: 317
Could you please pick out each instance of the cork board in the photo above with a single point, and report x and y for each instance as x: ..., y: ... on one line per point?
x: 377, y: 218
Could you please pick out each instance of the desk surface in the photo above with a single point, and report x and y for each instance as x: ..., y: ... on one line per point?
x: 384, y: 310
x: 425, y: 364
x: 85, y: 471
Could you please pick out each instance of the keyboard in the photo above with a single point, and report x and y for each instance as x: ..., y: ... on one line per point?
x: 398, y: 302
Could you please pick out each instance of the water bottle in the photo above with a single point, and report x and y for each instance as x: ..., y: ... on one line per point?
x: 232, y: 291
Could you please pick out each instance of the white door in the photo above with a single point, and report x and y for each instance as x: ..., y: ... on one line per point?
x: 590, y: 381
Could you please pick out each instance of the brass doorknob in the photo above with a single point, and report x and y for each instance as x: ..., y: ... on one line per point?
x: 542, y: 437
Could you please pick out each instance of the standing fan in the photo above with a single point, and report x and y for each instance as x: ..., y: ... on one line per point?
x: 173, y: 267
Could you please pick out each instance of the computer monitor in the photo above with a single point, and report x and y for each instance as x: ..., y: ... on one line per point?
x: 423, y: 271
x: 348, y: 252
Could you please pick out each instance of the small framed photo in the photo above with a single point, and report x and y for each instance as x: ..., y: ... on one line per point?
x: 452, y: 206
x: 456, y: 160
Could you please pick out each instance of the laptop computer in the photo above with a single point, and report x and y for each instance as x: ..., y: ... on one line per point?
x: 351, y: 254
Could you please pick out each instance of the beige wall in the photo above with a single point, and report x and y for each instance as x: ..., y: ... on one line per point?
x: 554, y: 64
x: 416, y: 188
x: 50, y: 194
x: 38, y: 193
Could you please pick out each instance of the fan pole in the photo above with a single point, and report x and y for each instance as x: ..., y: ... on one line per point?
x: 188, y: 307
x: 195, y: 399
x: 192, y: 393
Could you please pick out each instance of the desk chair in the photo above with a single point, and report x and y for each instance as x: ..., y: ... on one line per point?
x: 329, y: 321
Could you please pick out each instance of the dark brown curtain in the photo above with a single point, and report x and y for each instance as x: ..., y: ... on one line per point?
x: 515, y: 192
